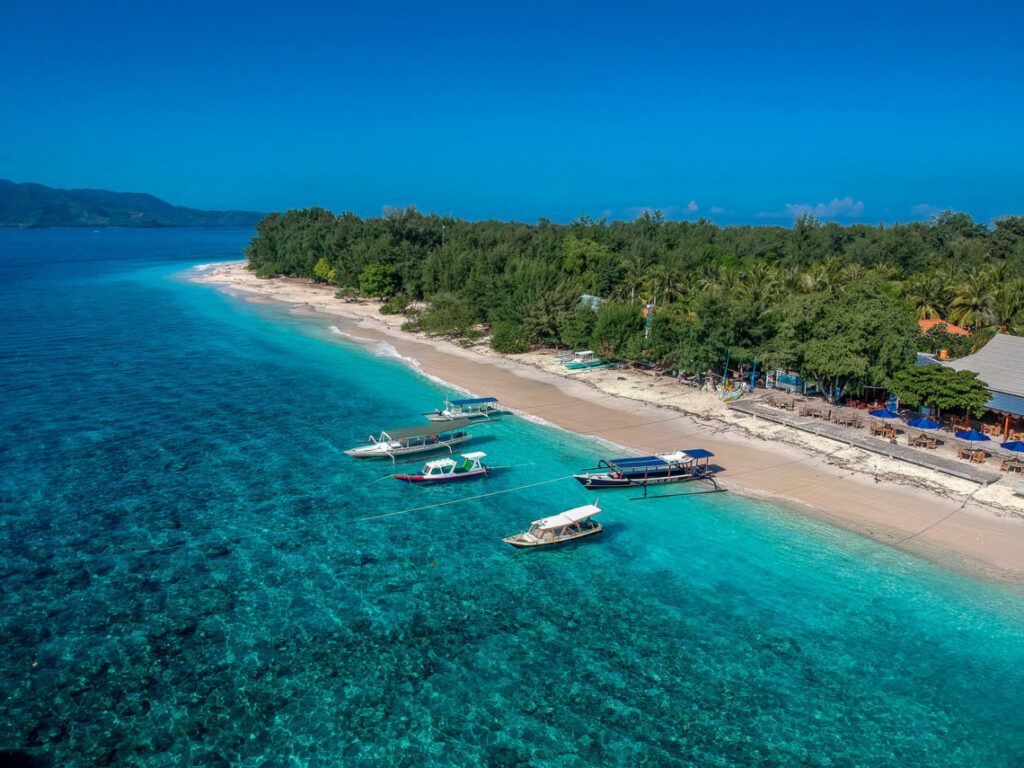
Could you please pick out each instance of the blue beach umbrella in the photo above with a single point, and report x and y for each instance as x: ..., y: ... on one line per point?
x: 971, y: 434
x: 1014, y: 445
x: 883, y: 413
x: 923, y: 424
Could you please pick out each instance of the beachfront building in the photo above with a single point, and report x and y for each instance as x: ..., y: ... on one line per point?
x: 954, y: 330
x: 1000, y: 364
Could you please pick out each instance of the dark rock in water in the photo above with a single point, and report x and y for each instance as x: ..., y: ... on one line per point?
x: 17, y: 758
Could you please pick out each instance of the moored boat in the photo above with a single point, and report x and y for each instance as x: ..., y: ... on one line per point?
x: 675, y: 467
x: 584, y: 359
x: 465, y: 467
x: 469, y: 408
x: 409, y: 440
x: 566, y: 526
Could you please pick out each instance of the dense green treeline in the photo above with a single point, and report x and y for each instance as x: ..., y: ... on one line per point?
x: 837, y: 303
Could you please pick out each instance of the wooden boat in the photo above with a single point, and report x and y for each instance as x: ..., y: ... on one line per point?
x: 466, y: 467
x: 408, y: 440
x: 584, y: 359
x: 566, y: 526
x: 471, y: 408
x: 675, y: 467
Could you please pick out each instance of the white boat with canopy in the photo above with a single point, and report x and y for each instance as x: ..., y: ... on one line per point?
x: 466, y: 467
x: 469, y: 408
x: 408, y: 440
x: 566, y: 526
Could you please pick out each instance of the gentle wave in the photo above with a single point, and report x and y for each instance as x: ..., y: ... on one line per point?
x: 386, y: 349
x: 338, y: 332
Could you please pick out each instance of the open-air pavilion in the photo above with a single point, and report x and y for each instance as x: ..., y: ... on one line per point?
x: 1000, y: 364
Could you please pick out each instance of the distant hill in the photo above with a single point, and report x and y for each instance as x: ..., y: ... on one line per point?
x: 33, y: 205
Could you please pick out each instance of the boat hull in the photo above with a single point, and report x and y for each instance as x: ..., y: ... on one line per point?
x: 418, y: 479
x: 439, y: 418
x: 605, y: 481
x: 388, y: 451
x: 519, y: 542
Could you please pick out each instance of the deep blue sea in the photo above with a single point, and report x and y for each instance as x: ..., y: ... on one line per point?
x: 187, y: 578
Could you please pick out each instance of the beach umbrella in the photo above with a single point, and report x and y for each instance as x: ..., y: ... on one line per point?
x: 1015, y: 445
x: 883, y: 413
x: 923, y: 424
x: 971, y: 434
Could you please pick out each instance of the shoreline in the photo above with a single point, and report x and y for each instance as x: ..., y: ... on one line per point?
x: 956, y: 524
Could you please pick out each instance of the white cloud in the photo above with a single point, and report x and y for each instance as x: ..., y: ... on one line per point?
x: 925, y: 211
x: 691, y: 206
x: 845, y: 208
x: 717, y: 209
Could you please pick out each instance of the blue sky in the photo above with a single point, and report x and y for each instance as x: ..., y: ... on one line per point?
x: 743, y: 112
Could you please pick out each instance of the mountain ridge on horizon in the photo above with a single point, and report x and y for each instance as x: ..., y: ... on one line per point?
x: 29, y: 205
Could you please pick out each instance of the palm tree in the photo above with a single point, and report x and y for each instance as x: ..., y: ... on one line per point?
x: 633, y: 276
x: 927, y: 293
x: 970, y: 304
x: 1005, y: 309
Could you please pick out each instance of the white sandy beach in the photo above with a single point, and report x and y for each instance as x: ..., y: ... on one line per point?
x: 952, y: 522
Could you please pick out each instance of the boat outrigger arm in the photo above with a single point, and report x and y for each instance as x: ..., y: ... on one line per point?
x: 420, y: 439
x: 634, y: 471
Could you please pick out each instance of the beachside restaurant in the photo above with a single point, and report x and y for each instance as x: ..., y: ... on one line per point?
x: 1000, y: 364
x: 998, y: 435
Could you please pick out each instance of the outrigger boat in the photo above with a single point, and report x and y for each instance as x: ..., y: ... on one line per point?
x: 675, y: 467
x: 471, y: 408
x: 584, y: 359
x: 566, y: 526
x: 466, y: 467
x: 408, y: 440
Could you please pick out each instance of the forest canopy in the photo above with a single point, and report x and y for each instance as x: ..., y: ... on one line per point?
x: 836, y: 303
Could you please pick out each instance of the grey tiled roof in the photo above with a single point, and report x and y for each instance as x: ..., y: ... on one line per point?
x: 1000, y: 364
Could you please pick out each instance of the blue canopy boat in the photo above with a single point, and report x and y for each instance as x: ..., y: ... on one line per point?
x: 675, y: 467
x: 469, y: 408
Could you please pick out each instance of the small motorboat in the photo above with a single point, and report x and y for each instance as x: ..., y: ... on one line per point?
x: 466, y: 467
x: 584, y: 359
x: 566, y: 526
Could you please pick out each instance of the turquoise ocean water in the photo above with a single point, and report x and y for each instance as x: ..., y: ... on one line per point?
x: 187, y: 580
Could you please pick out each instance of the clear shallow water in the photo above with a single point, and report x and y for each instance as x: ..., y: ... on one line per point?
x: 187, y: 579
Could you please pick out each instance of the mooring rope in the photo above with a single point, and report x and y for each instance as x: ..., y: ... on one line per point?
x: 468, y: 498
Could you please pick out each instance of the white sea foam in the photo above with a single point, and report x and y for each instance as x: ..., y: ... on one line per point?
x: 384, y: 349
x: 338, y: 332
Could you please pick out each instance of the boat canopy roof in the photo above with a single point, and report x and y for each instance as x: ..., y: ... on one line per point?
x: 689, y: 453
x: 445, y: 462
x: 568, y: 517
x: 448, y: 461
x: 474, y: 401
x: 661, y: 460
x: 427, y: 429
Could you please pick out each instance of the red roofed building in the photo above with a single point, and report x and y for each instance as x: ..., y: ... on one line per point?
x: 955, y: 330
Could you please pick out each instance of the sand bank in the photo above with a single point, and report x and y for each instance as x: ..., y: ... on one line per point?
x: 954, y: 523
